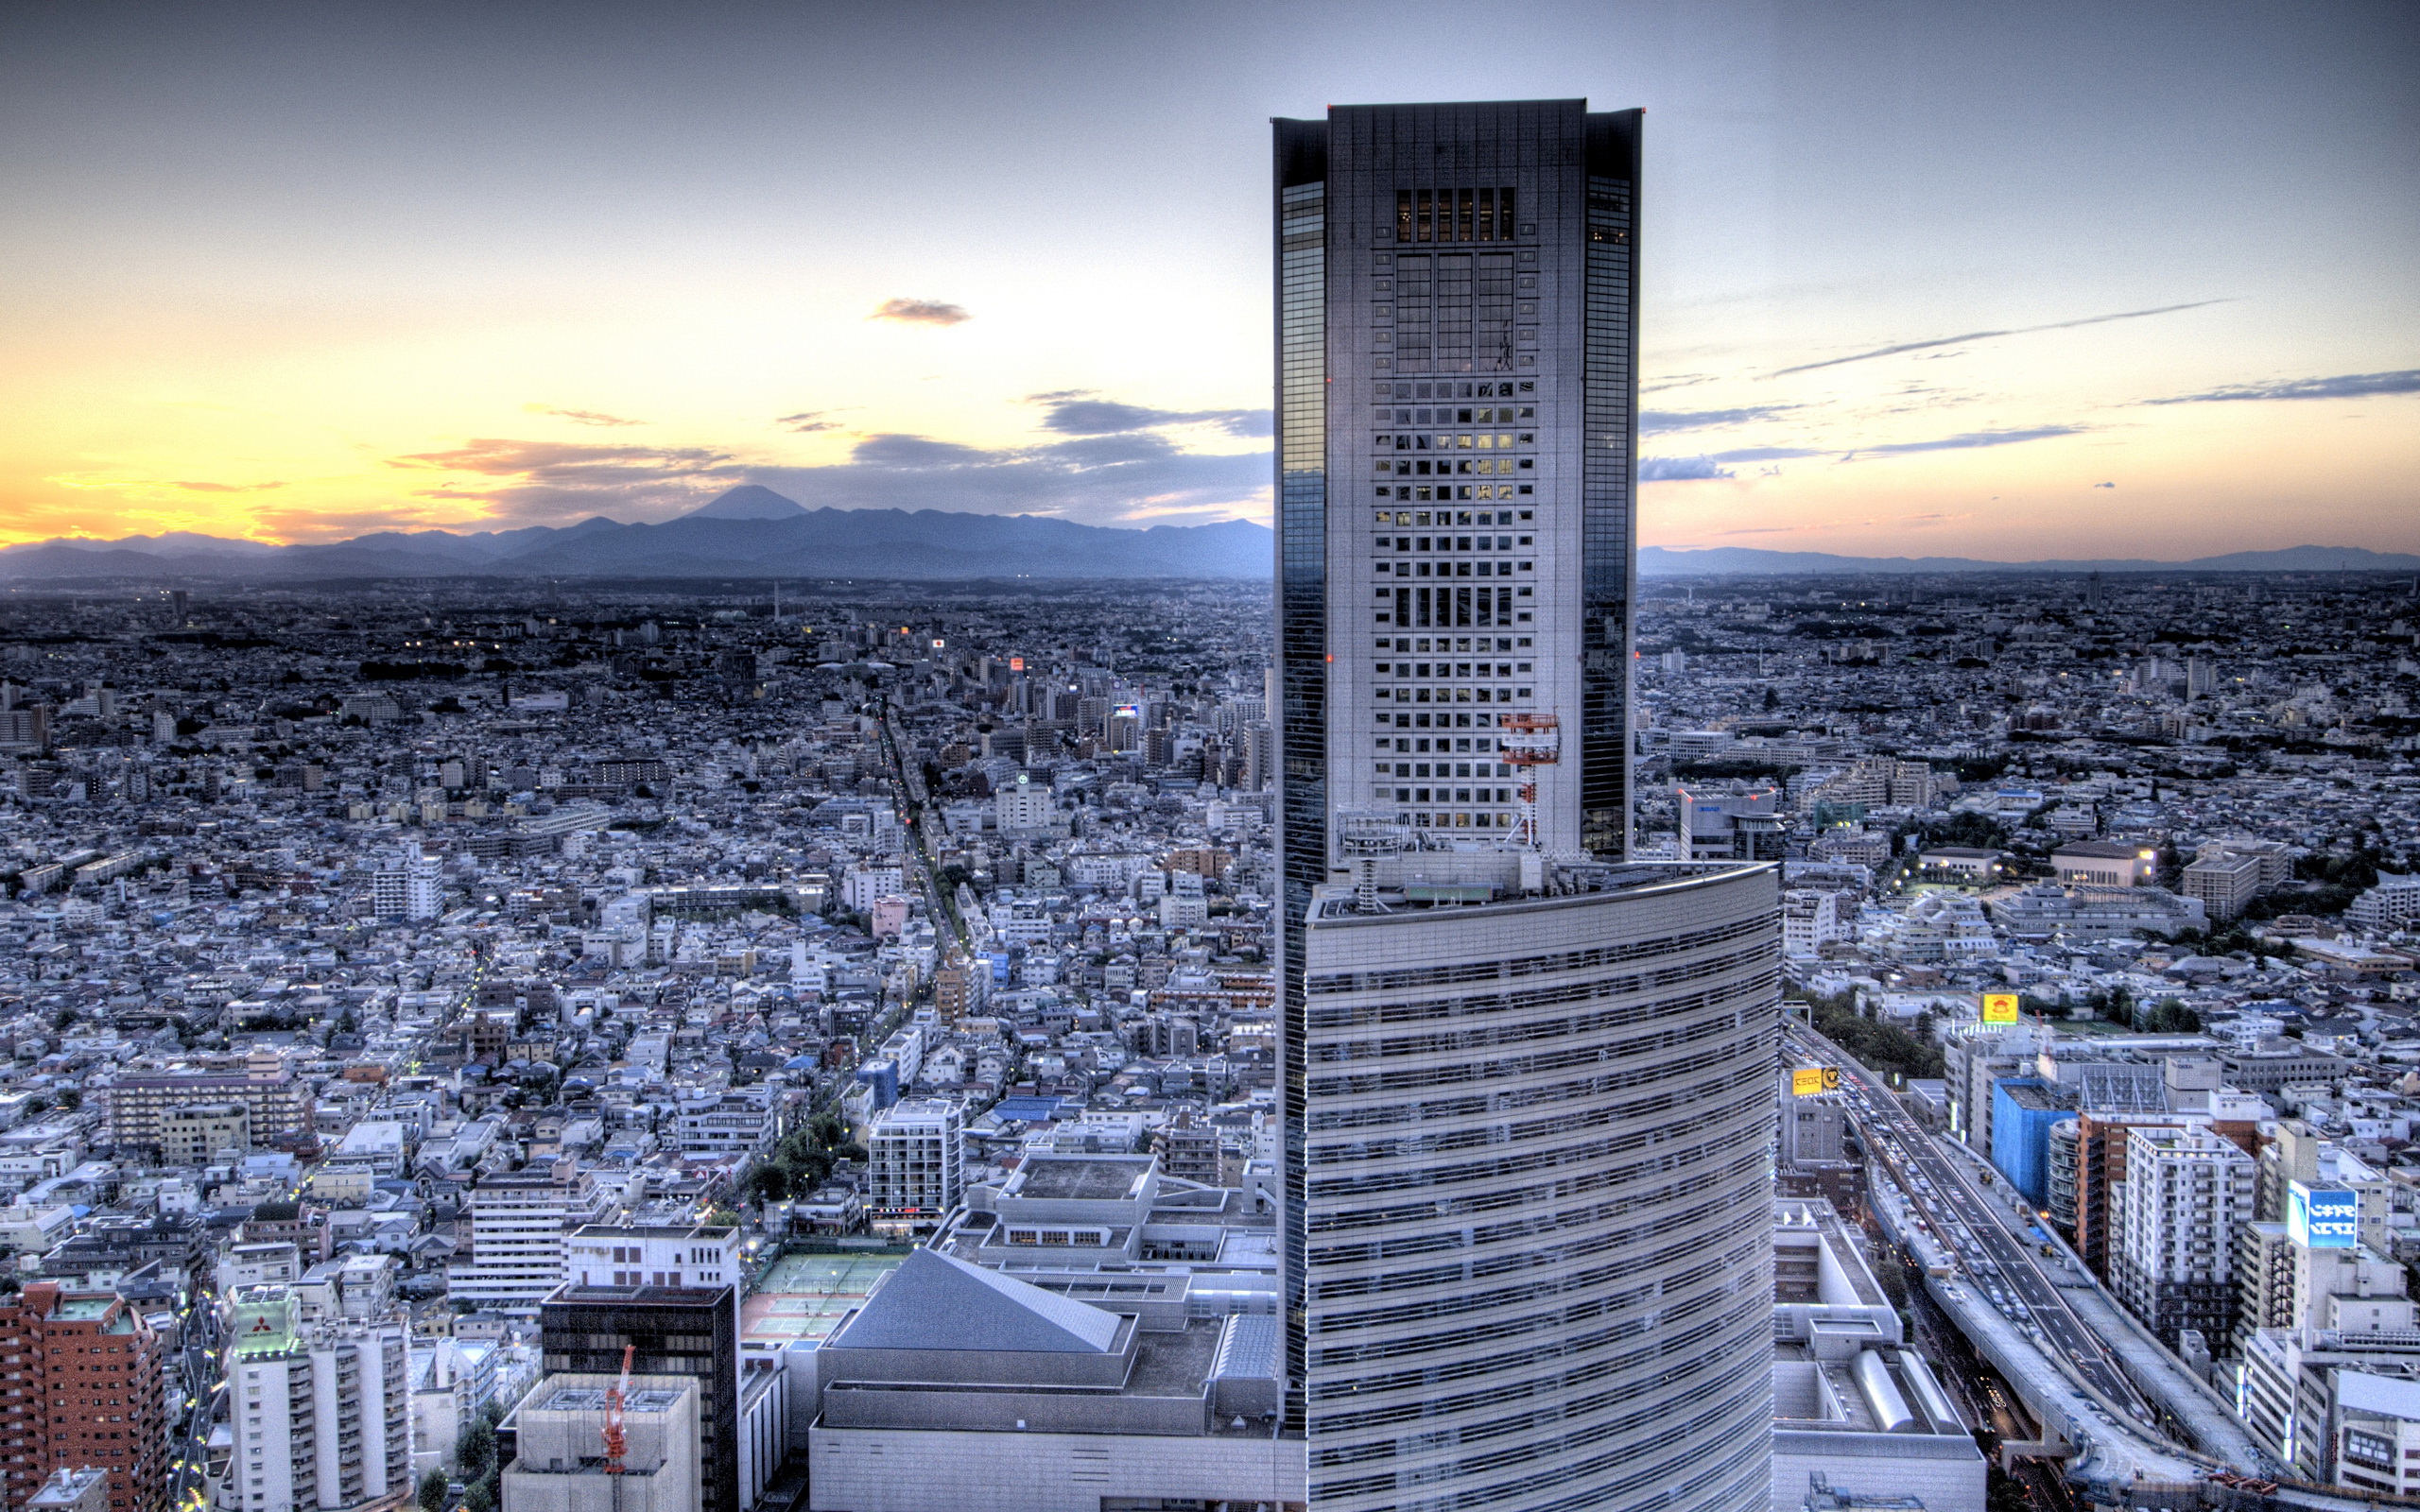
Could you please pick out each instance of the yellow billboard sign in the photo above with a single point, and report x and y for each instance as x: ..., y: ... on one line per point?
x: 1813, y: 1081
x: 1999, y: 1008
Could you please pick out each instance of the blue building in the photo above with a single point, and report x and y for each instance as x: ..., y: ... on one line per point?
x: 2022, y: 1110
x: 883, y: 1076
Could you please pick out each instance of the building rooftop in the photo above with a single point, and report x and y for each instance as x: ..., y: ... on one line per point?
x: 593, y: 1399
x: 933, y: 1301
x: 1091, y: 1179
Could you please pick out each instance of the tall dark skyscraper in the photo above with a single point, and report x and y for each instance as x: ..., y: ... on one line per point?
x: 1526, y: 1085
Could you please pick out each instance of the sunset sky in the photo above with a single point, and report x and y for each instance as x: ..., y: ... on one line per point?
x: 1998, y: 279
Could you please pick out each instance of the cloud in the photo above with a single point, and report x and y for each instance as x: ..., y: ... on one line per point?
x: 1679, y: 470
x: 920, y: 312
x: 1963, y: 443
x: 1767, y: 453
x: 567, y: 461
x: 157, y: 490
x: 1716, y: 465
x: 1116, y: 478
x: 1080, y: 412
x: 546, y: 482
x: 1122, y: 477
x: 808, y: 422
x: 585, y: 417
x: 2344, y: 385
x: 1986, y: 335
x: 1652, y: 421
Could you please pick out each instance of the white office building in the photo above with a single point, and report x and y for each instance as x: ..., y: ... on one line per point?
x: 861, y: 886
x: 1025, y: 807
x: 676, y: 1255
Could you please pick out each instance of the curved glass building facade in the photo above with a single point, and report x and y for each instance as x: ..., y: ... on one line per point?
x: 1538, y: 1197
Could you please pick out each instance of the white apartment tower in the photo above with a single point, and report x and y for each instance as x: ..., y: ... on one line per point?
x: 916, y: 1162
x: 409, y: 888
x: 2172, y: 1256
x: 519, y: 1225
x: 1525, y: 1086
x: 320, y: 1410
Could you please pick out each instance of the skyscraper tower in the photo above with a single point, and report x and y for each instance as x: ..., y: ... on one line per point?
x: 1526, y: 1086
x: 1457, y: 289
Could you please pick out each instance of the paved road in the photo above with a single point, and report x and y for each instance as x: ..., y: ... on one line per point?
x: 913, y: 807
x: 1964, y: 1221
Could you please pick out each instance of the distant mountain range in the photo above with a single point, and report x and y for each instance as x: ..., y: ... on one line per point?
x: 1658, y: 561
x: 748, y: 532
x: 754, y: 532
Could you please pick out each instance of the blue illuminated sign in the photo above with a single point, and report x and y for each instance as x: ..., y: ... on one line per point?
x: 2322, y: 1217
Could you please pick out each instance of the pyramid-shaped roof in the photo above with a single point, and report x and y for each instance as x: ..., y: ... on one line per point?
x: 934, y: 1301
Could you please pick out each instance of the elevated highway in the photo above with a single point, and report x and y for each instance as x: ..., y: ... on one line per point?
x: 2128, y: 1417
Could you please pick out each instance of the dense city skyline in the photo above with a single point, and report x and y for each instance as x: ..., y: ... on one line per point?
x: 846, y: 769
x: 2007, y: 285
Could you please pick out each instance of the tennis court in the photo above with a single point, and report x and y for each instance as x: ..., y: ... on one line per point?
x: 804, y: 1297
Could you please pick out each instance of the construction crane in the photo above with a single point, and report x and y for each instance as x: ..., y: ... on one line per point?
x: 1529, y: 742
x: 616, y: 1444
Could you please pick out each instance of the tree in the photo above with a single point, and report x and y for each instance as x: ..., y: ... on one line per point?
x: 432, y: 1491
x: 1881, y: 1047
x: 474, y: 1452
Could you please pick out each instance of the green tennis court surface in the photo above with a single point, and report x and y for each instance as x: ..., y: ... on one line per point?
x: 804, y: 1297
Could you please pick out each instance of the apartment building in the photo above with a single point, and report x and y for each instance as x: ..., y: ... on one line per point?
x: 86, y: 1377
x: 915, y: 1164
x: 321, y: 1408
x: 2186, y: 1192
x: 519, y: 1225
x: 278, y: 1105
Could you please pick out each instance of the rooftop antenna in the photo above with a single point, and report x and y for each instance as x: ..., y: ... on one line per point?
x: 1367, y: 838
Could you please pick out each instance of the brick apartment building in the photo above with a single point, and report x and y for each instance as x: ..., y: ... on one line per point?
x: 82, y: 1380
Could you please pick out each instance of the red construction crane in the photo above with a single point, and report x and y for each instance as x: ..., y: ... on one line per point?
x: 615, y: 1446
x: 1529, y: 742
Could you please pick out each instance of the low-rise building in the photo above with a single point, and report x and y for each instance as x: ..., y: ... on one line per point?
x: 954, y: 1385
x: 558, y: 1462
x: 2104, y: 864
